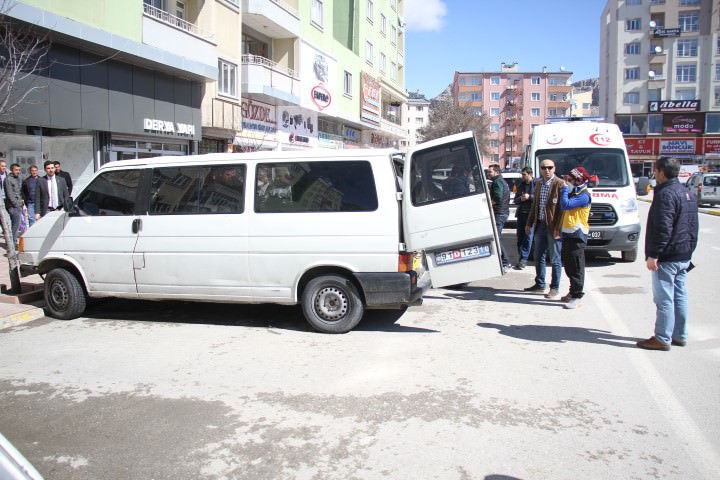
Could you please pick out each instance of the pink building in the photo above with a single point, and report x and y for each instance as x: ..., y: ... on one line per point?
x: 514, y: 101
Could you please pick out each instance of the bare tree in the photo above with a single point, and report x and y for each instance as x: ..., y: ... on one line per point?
x: 22, y: 55
x: 447, y: 119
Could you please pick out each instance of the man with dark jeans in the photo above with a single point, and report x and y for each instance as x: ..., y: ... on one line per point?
x: 523, y: 200
x: 500, y: 197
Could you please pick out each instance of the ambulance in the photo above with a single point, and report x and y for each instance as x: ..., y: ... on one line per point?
x: 600, y: 148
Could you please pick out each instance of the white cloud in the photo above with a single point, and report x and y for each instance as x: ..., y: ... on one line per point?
x: 425, y: 15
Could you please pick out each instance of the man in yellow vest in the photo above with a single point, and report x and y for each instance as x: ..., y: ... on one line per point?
x: 575, y: 202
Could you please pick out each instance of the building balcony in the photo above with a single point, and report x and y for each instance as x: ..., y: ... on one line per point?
x: 559, y: 104
x: 559, y: 89
x: 274, y: 18
x: 223, y: 115
x: 172, y: 34
x: 268, y: 81
x: 657, y: 57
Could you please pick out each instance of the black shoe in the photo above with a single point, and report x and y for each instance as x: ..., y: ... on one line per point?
x: 535, y: 288
x: 519, y: 266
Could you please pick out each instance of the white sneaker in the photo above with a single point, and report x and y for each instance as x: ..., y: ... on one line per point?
x: 574, y: 303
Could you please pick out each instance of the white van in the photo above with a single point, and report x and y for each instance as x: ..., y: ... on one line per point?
x: 600, y: 148
x: 337, y: 231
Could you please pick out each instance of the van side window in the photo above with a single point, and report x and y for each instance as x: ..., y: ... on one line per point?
x: 333, y: 186
x: 112, y: 193
x: 711, y: 181
x: 443, y: 173
x: 197, y: 189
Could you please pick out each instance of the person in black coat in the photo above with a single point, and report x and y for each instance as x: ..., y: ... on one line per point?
x: 65, y: 175
x: 48, y: 184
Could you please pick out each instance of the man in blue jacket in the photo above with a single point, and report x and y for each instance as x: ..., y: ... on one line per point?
x: 670, y: 239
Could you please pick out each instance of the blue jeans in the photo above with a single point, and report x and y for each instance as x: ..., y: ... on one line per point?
x: 500, y: 219
x: 31, y: 213
x: 524, y: 242
x: 671, y: 299
x: 546, y: 245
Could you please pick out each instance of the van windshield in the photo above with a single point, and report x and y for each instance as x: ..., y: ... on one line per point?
x: 608, y: 165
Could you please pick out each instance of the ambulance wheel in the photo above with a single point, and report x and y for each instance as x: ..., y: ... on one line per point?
x: 64, y: 296
x: 332, y: 304
x: 630, y: 255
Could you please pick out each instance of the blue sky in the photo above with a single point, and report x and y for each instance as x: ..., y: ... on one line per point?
x: 444, y: 36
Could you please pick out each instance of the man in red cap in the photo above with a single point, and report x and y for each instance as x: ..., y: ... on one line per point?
x: 575, y: 202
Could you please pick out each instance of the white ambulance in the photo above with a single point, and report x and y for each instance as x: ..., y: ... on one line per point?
x: 600, y: 148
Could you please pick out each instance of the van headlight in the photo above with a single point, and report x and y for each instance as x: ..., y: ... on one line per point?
x: 629, y: 206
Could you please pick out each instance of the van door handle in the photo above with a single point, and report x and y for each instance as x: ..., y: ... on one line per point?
x: 136, y: 225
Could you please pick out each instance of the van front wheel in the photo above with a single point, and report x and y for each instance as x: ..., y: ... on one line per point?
x: 64, y: 296
x: 332, y: 304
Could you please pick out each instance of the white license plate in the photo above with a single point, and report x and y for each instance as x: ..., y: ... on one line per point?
x: 595, y: 234
x: 461, y: 254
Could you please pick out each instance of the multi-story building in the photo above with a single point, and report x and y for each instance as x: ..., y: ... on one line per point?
x: 118, y: 80
x: 321, y: 73
x: 416, y: 113
x: 581, y: 104
x: 660, y: 78
x: 514, y: 101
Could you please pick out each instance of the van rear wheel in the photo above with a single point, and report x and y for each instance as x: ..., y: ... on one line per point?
x: 64, y: 296
x: 332, y: 304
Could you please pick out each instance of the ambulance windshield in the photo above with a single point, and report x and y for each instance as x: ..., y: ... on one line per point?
x: 608, y: 165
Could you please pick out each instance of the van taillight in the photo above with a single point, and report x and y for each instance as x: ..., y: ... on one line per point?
x: 21, y: 245
x: 405, y: 262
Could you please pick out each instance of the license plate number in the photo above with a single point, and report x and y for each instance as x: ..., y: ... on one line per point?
x: 595, y: 234
x: 461, y: 254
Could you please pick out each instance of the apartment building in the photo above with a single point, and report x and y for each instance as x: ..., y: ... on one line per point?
x: 660, y: 78
x: 514, y: 101
x: 416, y: 113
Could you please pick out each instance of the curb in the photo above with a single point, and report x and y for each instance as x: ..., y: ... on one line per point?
x: 14, y: 315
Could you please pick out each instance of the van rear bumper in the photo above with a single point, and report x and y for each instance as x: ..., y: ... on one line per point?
x: 387, y: 290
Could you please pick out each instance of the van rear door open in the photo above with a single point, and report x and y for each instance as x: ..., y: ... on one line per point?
x: 449, y: 216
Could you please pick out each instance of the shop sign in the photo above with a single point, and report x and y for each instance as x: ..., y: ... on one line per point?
x: 169, y: 128
x: 684, y: 123
x: 258, y: 116
x: 298, y: 126
x: 641, y: 146
x: 712, y: 145
x: 370, y: 99
x: 321, y: 96
x: 662, y: 32
x: 351, y: 134
x: 674, y: 106
x: 677, y: 146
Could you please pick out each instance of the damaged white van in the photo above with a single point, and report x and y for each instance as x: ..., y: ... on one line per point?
x: 337, y: 231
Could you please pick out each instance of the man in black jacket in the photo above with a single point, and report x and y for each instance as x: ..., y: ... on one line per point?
x: 523, y: 199
x: 670, y: 239
x: 500, y: 197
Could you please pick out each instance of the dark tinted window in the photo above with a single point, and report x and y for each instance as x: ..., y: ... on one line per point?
x: 607, y: 164
x: 197, y: 189
x: 446, y: 172
x: 711, y: 181
x: 315, y: 187
x: 111, y: 193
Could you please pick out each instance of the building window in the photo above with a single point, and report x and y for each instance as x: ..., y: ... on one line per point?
x: 419, y: 108
x: 534, y: 80
x: 369, y: 52
x: 393, y: 70
x: 495, y: 112
x: 654, y: 94
x: 688, y: 21
x: 494, y: 80
x: 717, y: 71
x: 347, y: 84
x: 475, y: 97
x: 552, y: 112
x: 686, y: 73
x: 633, y: 2
x: 687, y: 47
x: 494, y: 127
x: 632, y: 24
x: 553, y: 97
x: 717, y: 46
x: 383, y: 62
x: 685, y: 94
x: 383, y: 24
x: 495, y: 96
x: 632, y: 48
x: 370, y: 10
x: 534, y: 112
x: 476, y: 81
x: 418, y: 120
x: 535, y: 96
x: 227, y: 78
x: 631, y: 98
x: 316, y: 14
x: 716, y: 102
x: 688, y: 3
x: 632, y: 73
x: 393, y: 34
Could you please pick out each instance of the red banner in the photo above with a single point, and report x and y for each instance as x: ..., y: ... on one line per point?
x: 641, y: 146
x: 712, y: 145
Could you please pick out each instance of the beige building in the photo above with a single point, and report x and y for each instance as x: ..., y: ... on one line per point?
x: 581, y: 105
x: 514, y: 101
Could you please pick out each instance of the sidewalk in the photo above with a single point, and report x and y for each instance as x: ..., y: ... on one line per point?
x: 15, y: 308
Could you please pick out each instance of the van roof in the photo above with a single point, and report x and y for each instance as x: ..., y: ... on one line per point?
x: 267, y: 156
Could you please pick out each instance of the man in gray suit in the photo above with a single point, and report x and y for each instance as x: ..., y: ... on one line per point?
x: 51, y: 192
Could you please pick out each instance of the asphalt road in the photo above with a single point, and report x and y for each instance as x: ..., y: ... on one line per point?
x: 486, y: 382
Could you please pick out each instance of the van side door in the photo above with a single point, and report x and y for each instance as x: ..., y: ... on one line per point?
x: 450, y: 218
x: 100, y: 235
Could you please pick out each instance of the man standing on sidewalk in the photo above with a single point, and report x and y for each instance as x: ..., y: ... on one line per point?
x: 28, y: 192
x: 523, y: 200
x: 671, y: 236
x: 12, y: 185
x: 500, y: 197
x: 545, y: 221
